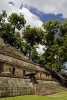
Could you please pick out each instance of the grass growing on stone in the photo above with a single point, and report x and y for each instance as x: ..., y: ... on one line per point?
x: 56, y: 96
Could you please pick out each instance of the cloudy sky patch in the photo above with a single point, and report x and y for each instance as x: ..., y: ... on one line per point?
x: 36, y: 12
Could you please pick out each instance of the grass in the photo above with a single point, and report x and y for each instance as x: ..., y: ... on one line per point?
x: 56, y: 96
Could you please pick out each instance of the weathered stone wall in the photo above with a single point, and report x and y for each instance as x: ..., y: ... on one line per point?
x: 18, y: 86
x: 15, y: 86
x: 47, y: 87
x: 8, y: 50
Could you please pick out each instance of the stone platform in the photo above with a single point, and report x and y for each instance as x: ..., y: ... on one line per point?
x: 18, y: 86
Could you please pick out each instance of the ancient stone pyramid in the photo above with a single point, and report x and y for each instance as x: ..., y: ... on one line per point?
x: 11, y: 55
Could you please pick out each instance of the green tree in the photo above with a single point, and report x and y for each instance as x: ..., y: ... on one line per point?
x: 35, y: 55
x: 8, y: 29
x: 32, y: 36
x: 51, y: 27
x: 17, y: 21
x: 55, y: 54
x: 2, y: 20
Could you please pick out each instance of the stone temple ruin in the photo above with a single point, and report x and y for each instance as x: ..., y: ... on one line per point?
x: 14, y: 64
x: 20, y: 76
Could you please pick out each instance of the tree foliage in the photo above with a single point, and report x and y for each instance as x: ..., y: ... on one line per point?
x: 32, y: 36
x: 17, y: 21
x: 8, y: 27
x: 55, y: 55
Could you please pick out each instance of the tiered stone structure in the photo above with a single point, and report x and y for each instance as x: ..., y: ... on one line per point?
x: 14, y: 63
x: 19, y: 75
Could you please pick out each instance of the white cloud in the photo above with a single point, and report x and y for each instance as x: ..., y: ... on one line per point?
x: 40, y: 49
x: 31, y: 19
x: 3, y: 5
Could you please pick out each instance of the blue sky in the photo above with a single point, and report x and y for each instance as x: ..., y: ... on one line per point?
x: 37, y: 11
x: 43, y: 16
